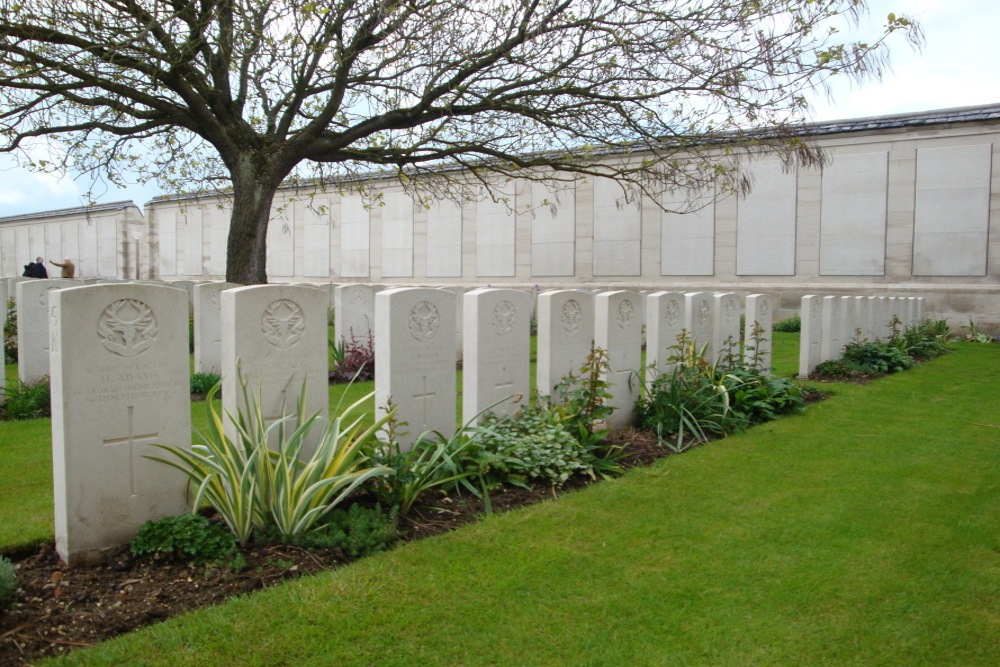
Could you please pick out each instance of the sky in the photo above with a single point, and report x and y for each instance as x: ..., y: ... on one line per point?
x: 955, y: 68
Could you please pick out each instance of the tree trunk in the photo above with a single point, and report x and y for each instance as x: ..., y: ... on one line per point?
x: 246, y: 249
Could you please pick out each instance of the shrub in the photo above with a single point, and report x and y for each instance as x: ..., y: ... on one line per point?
x: 10, y: 333
x: 272, y: 491
x: 698, y: 399
x: 28, y: 400
x: 358, y: 532
x: 202, y: 383
x: 535, y: 445
x: 186, y: 537
x: 433, y: 462
x: 792, y: 324
x: 353, y: 360
x: 876, y: 357
x: 756, y: 397
x: 8, y: 584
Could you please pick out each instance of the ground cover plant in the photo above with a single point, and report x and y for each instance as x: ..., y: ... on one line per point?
x: 863, y: 531
x: 863, y: 359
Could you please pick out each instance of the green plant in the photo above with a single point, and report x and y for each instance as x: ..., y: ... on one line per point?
x: 356, y: 360
x: 973, y: 334
x: 8, y: 583
x: 202, y: 383
x: 876, y: 357
x: 756, y: 397
x: 536, y: 444
x: 359, y: 531
x: 585, y: 397
x: 28, y: 400
x: 792, y: 324
x: 254, y: 487
x: 10, y: 333
x: 692, y: 401
x: 185, y: 537
x: 433, y: 461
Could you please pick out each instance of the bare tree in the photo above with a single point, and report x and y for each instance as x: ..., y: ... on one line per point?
x: 248, y: 94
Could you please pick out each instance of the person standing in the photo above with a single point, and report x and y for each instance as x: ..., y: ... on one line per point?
x: 67, y: 266
x: 35, y: 269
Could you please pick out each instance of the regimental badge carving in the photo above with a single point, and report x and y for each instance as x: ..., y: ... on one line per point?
x: 127, y: 328
x: 425, y: 320
x: 504, y: 317
x: 672, y: 313
x: 626, y: 312
x: 729, y: 311
x: 572, y: 315
x: 283, y: 323
x: 765, y: 310
x: 704, y: 312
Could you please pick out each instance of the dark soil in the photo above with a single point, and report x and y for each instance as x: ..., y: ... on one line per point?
x: 61, y: 608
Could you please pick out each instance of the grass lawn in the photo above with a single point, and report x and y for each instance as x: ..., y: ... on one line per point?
x: 863, y: 532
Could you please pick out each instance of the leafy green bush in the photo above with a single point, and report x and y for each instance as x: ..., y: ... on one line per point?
x: 792, y: 324
x: 202, y: 383
x: 838, y: 369
x: 257, y: 488
x: 924, y: 341
x: 876, y: 357
x: 28, y: 400
x: 8, y: 584
x: 535, y: 445
x: 697, y: 399
x: 756, y: 397
x: 10, y: 333
x: 433, y: 462
x: 185, y: 537
x: 359, y: 531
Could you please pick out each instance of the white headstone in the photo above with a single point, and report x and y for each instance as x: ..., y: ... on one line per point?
x: 698, y: 321
x: 758, y: 332
x: 33, y: 338
x: 873, y: 313
x: 832, y: 325
x: 618, y: 329
x: 810, y: 336
x: 208, y: 326
x: 354, y: 313
x: 497, y: 341
x: 725, y: 329
x: 274, y: 339
x: 565, y: 336
x: 415, y: 359
x: 883, y: 315
x: 664, y: 324
x: 120, y: 383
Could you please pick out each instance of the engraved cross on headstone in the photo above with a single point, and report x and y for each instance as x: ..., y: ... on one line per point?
x: 506, y: 385
x: 424, y: 398
x: 131, y: 441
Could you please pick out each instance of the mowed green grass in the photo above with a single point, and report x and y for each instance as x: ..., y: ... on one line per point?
x: 863, y: 532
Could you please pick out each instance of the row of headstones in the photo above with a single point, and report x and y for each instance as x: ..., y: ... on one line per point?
x: 120, y: 373
x: 830, y: 323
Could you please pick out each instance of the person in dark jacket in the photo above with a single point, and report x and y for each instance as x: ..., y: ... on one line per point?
x: 36, y: 269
